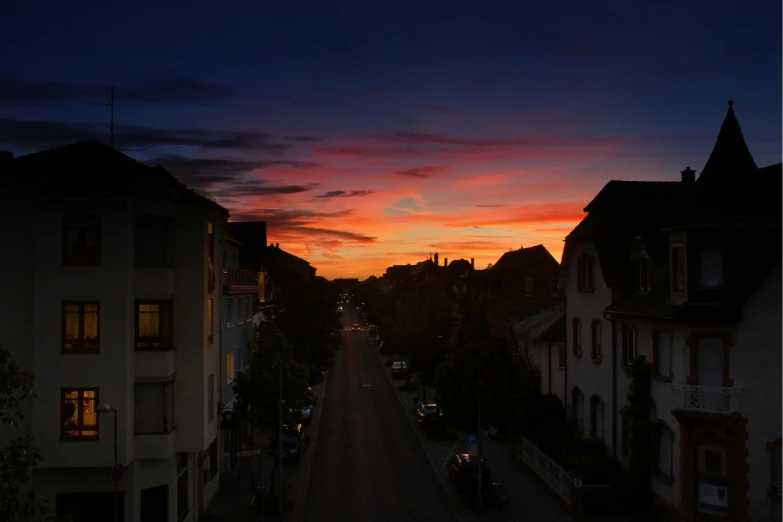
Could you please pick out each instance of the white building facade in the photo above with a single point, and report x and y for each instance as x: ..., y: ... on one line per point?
x: 120, y: 310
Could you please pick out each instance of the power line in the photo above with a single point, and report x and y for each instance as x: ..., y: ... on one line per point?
x: 109, y: 106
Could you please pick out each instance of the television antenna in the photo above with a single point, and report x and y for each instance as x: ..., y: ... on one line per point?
x: 110, y: 107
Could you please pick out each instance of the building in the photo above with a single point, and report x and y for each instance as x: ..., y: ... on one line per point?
x: 285, y: 270
x: 113, y: 302
x: 541, y: 337
x: 523, y: 282
x: 692, y: 281
x: 242, y: 292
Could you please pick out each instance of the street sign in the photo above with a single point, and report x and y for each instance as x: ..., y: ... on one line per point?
x: 472, y: 446
x: 117, y: 471
x: 577, y: 482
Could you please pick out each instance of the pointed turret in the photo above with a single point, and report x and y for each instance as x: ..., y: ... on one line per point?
x: 730, y: 161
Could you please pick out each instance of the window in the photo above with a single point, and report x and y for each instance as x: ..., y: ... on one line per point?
x: 595, y: 338
x: 230, y: 368
x: 211, y: 242
x: 596, y: 417
x: 710, y: 361
x: 152, y: 241
x: 81, y: 240
x: 80, y: 327
x: 578, y: 413
x: 677, y: 268
x: 711, y: 459
x: 240, y: 360
x: 664, y: 450
x: 711, y: 273
x: 629, y: 345
x: 210, y: 321
x: 79, y: 415
x: 662, y: 348
x: 529, y: 286
x: 576, y: 328
x: 561, y: 356
x: 154, y: 407
x: 154, y: 325
x: 585, y: 281
x: 554, y: 291
x: 645, y: 274
x: 230, y: 311
x: 241, y: 301
x: 225, y: 260
x: 211, y: 397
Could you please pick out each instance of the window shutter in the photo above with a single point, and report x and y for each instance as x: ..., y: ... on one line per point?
x: 590, y: 274
x: 580, y: 273
x: 710, y: 353
x: 592, y: 417
x: 149, y: 408
x: 664, y: 352
x: 599, y: 420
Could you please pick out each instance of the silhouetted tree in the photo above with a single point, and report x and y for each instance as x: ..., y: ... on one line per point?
x: 19, y: 456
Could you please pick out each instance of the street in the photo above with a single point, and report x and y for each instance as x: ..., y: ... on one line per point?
x: 368, y: 464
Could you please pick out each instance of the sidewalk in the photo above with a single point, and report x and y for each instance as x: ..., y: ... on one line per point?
x: 526, y: 499
x: 232, y: 501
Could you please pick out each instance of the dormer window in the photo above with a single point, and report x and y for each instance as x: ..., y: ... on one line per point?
x: 677, y: 268
x: 711, y: 273
x: 585, y: 274
x: 645, y: 274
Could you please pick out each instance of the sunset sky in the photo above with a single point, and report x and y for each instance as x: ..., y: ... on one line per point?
x: 372, y: 133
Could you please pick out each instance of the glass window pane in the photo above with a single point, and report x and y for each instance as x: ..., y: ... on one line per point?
x: 91, y: 324
x: 664, y: 353
x: 71, y: 322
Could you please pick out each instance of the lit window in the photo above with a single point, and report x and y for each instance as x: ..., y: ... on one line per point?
x: 80, y: 327
x: 79, y: 416
x: 153, y: 325
x: 230, y: 368
x: 210, y: 321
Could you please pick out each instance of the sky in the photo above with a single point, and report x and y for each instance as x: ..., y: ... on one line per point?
x: 369, y: 134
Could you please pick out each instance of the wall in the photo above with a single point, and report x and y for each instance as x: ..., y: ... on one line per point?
x: 545, y: 356
x: 591, y: 377
x: 111, y: 370
x: 755, y: 362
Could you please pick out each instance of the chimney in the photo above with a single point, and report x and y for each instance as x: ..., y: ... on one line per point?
x: 688, y: 175
x: 436, y: 259
x: 277, y: 245
x: 445, y: 261
x: 472, y: 263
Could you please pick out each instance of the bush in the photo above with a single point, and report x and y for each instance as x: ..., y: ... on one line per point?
x: 591, y: 459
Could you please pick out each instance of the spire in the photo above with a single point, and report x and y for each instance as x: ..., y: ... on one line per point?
x: 730, y: 160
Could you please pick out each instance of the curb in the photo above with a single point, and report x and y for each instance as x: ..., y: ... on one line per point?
x: 456, y: 506
x: 304, y: 479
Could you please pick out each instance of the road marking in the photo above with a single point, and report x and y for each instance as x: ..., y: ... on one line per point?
x: 366, y: 385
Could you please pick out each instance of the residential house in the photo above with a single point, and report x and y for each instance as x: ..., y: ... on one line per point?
x: 113, y: 267
x: 524, y: 283
x: 541, y: 338
x: 285, y: 271
x: 687, y: 274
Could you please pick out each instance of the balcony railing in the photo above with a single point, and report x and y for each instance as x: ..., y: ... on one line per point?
x: 237, y: 277
x: 707, y: 399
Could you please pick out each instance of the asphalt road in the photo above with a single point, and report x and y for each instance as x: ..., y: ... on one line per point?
x: 368, y: 463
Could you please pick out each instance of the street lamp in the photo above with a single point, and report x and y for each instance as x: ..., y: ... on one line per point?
x: 106, y: 408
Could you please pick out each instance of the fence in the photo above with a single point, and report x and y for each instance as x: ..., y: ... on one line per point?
x: 546, y: 468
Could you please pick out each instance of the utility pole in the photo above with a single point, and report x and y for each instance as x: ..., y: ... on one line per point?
x: 478, y: 433
x: 280, y: 444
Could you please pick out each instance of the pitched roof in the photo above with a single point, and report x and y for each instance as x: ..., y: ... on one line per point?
x: 543, y: 326
x: 730, y: 160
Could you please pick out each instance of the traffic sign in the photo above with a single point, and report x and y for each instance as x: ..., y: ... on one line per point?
x: 472, y: 440
x: 472, y: 445
x: 577, y: 482
x: 117, y: 471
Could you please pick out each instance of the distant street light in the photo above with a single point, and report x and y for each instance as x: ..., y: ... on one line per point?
x: 106, y: 408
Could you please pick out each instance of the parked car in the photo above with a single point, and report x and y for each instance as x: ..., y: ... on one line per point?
x: 400, y: 369
x: 428, y: 414
x: 463, y: 473
x: 356, y: 328
x: 293, y: 442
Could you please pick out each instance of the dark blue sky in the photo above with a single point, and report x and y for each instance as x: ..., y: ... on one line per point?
x: 393, y: 106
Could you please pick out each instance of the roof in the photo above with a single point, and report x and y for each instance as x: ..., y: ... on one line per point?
x: 547, y: 325
x: 730, y: 160
x: 659, y: 307
x: 86, y: 169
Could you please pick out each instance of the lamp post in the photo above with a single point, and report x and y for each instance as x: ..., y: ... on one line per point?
x: 106, y: 408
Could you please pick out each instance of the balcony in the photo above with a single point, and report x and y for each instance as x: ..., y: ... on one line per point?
x: 707, y: 399
x: 236, y: 281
